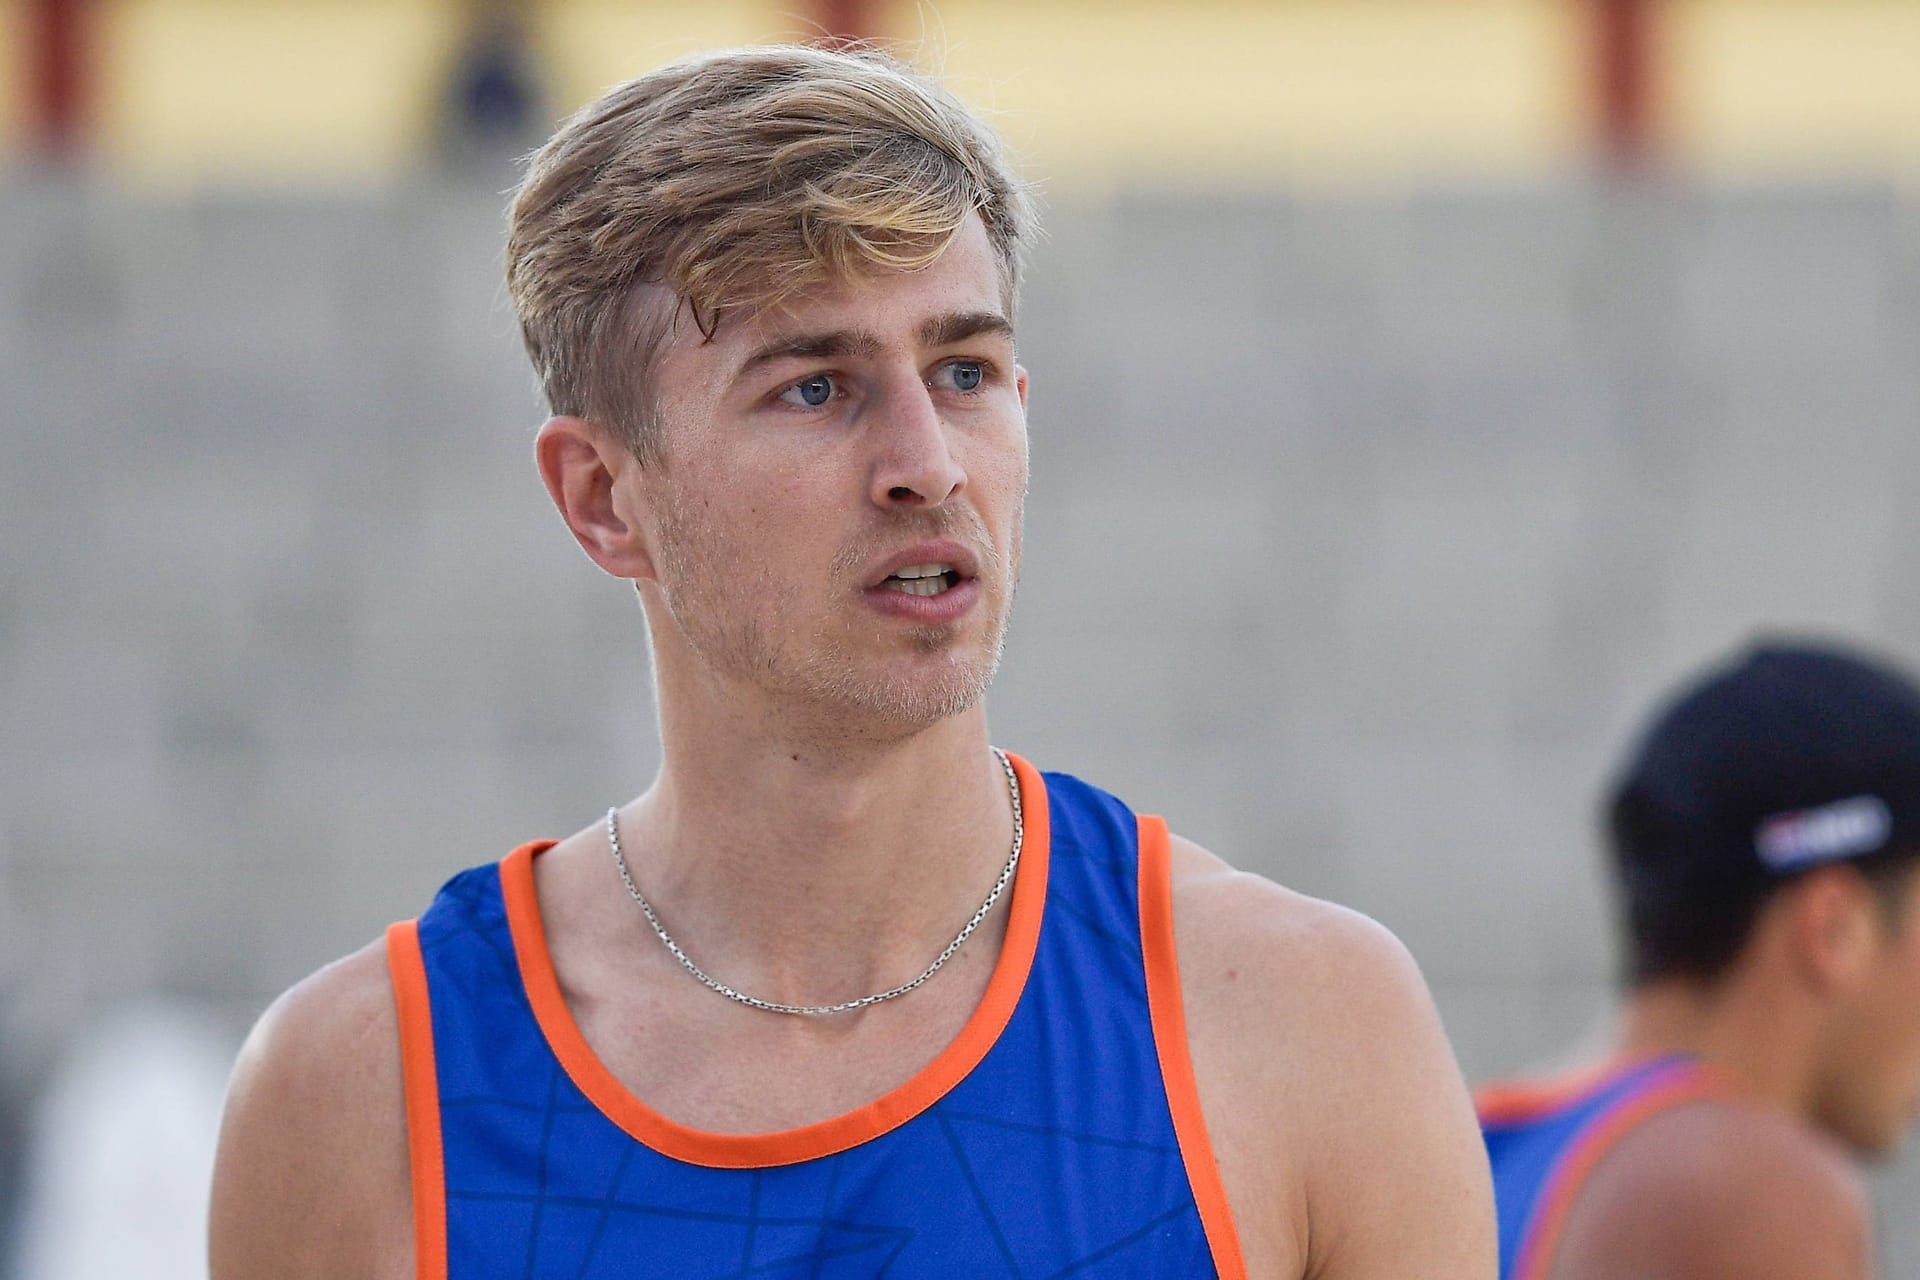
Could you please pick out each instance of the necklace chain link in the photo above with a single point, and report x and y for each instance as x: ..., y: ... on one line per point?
x: 822, y: 1010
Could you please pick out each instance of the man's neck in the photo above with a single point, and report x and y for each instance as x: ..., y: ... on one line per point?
x: 816, y: 875
x: 1760, y: 1038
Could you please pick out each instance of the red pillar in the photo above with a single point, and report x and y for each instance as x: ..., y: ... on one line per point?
x: 57, y: 77
x: 1623, y: 58
x: 846, y: 21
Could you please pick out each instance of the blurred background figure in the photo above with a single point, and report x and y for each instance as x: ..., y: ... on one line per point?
x: 13, y: 1080
x: 120, y: 1151
x: 1764, y: 840
x: 1419, y: 386
x: 493, y: 104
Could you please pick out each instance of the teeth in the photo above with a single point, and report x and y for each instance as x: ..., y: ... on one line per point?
x: 917, y: 586
x: 923, y: 571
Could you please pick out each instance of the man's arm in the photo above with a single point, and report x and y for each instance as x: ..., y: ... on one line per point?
x: 1718, y: 1190
x: 1342, y: 1126
x: 311, y: 1179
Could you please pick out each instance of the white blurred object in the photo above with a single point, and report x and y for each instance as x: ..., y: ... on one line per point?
x: 122, y: 1151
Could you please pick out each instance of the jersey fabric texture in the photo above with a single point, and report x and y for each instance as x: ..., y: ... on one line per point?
x: 1059, y: 1135
x: 1543, y: 1141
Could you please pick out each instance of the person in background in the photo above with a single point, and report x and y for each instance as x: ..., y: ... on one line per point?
x: 1765, y: 835
x: 491, y: 106
x: 847, y: 991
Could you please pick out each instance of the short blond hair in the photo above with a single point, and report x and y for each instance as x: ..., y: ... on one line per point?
x: 735, y: 179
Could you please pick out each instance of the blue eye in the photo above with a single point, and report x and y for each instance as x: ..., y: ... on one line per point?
x: 966, y: 375
x: 811, y: 392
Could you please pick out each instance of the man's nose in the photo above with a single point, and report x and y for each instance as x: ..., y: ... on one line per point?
x: 915, y: 464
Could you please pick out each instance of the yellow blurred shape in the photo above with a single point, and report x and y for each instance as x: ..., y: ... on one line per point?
x: 339, y: 91
x: 1138, y: 91
x: 1766, y: 87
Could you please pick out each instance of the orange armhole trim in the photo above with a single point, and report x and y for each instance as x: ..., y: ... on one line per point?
x: 1543, y: 1234
x: 1168, y: 1014
x: 421, y: 1083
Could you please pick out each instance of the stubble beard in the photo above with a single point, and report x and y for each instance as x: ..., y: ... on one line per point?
x: 827, y: 682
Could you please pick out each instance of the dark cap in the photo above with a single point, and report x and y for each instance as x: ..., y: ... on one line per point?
x: 1793, y: 755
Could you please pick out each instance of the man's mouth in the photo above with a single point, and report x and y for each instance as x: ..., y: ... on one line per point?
x: 922, y: 579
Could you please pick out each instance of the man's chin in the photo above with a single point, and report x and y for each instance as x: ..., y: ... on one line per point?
x: 1869, y: 1141
x: 918, y: 693
x: 916, y: 704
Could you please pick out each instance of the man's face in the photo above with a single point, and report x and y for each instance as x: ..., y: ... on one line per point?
x: 1872, y: 1094
x: 836, y: 518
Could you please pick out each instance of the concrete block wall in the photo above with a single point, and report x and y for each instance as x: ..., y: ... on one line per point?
x: 1363, y: 529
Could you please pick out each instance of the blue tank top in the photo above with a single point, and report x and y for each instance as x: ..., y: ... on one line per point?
x: 1543, y: 1140
x: 1058, y: 1135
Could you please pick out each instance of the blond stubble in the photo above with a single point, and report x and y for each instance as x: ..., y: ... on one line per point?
x: 822, y: 683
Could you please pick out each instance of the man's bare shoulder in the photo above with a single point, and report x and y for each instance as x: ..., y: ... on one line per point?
x: 1256, y: 954
x: 1275, y: 929
x: 311, y: 1177
x: 1327, y: 1081
x: 1720, y: 1188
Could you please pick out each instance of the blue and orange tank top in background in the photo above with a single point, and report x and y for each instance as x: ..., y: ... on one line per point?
x: 1059, y: 1134
x: 1544, y: 1139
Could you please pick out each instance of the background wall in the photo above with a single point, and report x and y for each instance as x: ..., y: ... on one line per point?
x: 1379, y: 484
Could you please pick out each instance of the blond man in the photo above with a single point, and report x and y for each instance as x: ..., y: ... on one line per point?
x: 846, y: 991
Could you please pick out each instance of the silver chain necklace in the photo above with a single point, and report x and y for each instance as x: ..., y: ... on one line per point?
x: 821, y: 1010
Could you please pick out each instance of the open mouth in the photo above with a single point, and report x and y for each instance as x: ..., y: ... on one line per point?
x: 922, y: 579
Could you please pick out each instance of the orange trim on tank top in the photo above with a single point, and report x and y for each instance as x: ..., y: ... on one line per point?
x: 808, y: 1142
x: 421, y: 1085
x: 1695, y: 1083
x: 1168, y: 1013
x: 1514, y: 1101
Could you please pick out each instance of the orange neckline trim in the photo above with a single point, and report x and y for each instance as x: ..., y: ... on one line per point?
x: 1167, y: 1012
x: 826, y: 1137
x: 1512, y: 1101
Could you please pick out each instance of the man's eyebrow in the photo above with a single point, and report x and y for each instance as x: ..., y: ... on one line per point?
x: 812, y: 346
x: 938, y: 331
x: 942, y: 331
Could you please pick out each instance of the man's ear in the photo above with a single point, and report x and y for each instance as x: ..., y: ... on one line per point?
x: 1836, y: 925
x: 593, y: 479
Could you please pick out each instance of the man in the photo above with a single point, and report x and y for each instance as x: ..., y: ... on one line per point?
x: 1765, y: 833
x: 845, y: 992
